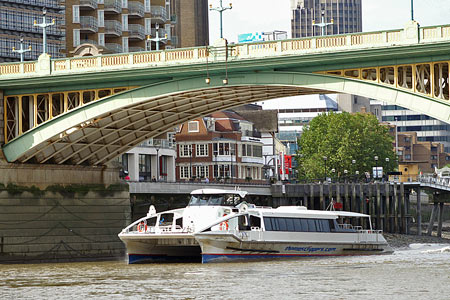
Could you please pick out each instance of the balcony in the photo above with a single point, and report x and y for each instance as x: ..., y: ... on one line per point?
x: 135, y: 9
x: 136, y: 31
x: 88, y: 24
x: 92, y: 42
x: 114, y: 48
x: 161, y: 32
x: 159, y: 12
x: 113, y: 6
x: 135, y: 49
x: 88, y: 4
x: 113, y: 27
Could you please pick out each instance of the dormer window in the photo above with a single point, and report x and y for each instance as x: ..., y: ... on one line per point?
x: 193, y: 126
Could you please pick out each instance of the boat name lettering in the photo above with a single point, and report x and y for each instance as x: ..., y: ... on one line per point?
x: 309, y: 249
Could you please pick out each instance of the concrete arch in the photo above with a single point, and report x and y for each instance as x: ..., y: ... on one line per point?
x: 100, y: 131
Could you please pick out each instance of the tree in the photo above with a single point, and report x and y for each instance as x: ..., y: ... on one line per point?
x: 349, y: 142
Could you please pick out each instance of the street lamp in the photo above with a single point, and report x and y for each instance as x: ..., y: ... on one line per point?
x: 323, y: 24
x: 345, y: 176
x: 157, y: 39
x: 376, y: 166
x: 157, y: 164
x: 356, y: 175
x: 21, y: 51
x: 220, y: 9
x: 44, y: 25
x: 190, y: 162
x: 325, y: 159
x: 412, y: 10
x: 332, y: 172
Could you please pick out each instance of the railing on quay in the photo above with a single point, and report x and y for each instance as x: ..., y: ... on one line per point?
x: 199, y: 55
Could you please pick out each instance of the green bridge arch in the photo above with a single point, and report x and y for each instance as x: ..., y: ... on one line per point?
x: 100, y: 131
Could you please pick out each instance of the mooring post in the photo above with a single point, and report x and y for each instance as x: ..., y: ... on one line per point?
x: 353, y: 200
x: 338, y: 192
x: 403, y: 209
x: 378, y: 208
x: 432, y: 218
x: 386, y: 207
x: 396, y: 225
x: 419, y: 212
x: 322, y: 202
x: 440, y: 219
x: 311, y: 196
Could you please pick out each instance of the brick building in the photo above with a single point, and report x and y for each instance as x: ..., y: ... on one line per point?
x: 221, y: 147
x: 427, y: 155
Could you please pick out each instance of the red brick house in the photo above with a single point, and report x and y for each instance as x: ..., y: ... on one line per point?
x: 220, y: 147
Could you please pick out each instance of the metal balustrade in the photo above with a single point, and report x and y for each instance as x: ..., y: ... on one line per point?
x: 89, y: 23
x: 113, y: 47
x: 135, y: 9
x: 113, y: 6
x: 161, y: 32
x: 159, y: 12
x: 89, y: 3
x: 113, y: 27
x: 136, y: 31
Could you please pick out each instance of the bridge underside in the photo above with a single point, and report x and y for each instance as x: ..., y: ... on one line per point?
x: 99, y: 131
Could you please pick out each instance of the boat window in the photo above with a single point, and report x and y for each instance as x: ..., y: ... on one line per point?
x: 255, y: 221
x: 232, y: 200
x: 179, y: 222
x: 296, y: 224
x: 243, y: 223
x: 151, y: 221
x: 166, y: 220
x: 216, y: 200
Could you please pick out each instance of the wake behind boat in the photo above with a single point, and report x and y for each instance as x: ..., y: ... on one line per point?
x: 168, y: 236
x: 288, y: 232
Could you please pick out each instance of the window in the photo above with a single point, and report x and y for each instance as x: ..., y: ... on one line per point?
x: 297, y: 224
x: 144, y: 167
x: 202, y: 171
x: 201, y: 150
x: 185, y: 150
x: 221, y: 148
x: 184, y: 172
x: 257, y: 151
x: 433, y: 157
x: 407, y: 156
x: 193, y: 126
x: 407, y: 139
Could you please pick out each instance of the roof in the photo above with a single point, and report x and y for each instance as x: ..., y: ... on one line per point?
x: 218, y: 192
x: 263, y: 120
x: 301, y: 102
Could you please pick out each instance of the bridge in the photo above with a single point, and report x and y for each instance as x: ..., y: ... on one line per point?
x: 89, y: 110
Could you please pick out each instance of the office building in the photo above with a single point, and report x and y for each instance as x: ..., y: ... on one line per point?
x: 346, y: 16
x: 17, y: 21
x: 190, y: 23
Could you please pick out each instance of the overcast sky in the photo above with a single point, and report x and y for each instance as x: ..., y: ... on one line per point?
x: 249, y: 16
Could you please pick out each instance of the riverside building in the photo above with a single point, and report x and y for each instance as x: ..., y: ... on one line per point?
x: 17, y: 21
x: 346, y: 16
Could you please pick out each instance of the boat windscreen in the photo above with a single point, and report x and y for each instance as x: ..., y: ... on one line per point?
x: 215, y: 200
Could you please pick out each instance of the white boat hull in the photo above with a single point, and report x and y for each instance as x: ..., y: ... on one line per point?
x: 225, y: 247
x: 147, y: 248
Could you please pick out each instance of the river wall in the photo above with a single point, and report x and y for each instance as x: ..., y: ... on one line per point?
x: 62, y: 223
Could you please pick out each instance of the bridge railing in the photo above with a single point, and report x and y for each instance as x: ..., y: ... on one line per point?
x: 238, y: 51
x: 441, y: 182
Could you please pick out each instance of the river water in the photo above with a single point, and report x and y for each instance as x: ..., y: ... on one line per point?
x: 419, y: 272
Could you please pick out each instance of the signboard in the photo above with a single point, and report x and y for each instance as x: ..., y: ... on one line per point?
x: 251, y: 37
x: 377, y: 172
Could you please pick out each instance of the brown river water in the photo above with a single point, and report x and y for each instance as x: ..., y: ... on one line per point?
x: 419, y: 272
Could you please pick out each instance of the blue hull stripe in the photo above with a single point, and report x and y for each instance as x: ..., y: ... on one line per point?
x: 239, y: 257
x: 148, y: 258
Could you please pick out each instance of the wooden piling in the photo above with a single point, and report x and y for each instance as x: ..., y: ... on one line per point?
x: 321, y: 200
x: 432, y: 218
x: 396, y: 225
x: 386, y: 227
x: 311, y: 196
x: 403, y: 209
x: 440, y: 219
x: 378, y: 207
x: 419, y: 212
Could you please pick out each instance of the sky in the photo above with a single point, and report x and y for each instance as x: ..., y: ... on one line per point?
x: 249, y: 16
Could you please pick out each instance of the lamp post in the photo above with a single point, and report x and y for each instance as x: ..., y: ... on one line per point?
x: 157, y: 164
x: 157, y: 39
x: 220, y: 9
x: 387, y: 164
x: 21, y: 51
x: 345, y: 176
x: 356, y: 176
x: 190, y: 162
x: 44, y: 25
x: 323, y: 24
x: 412, y: 10
x: 376, y: 166
x: 325, y: 159
x: 396, y: 136
x: 332, y: 172
x: 216, y: 168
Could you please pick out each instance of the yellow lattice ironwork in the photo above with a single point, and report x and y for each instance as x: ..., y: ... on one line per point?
x: 24, y: 112
x: 430, y: 79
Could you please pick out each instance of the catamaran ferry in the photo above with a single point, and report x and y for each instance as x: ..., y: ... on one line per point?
x: 168, y: 236
x: 288, y: 232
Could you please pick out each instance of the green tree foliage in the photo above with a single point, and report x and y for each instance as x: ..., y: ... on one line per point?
x: 342, y: 138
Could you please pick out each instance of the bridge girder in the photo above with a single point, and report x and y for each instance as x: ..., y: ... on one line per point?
x: 100, y: 131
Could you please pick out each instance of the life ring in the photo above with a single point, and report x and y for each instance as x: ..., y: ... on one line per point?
x: 142, y: 227
x: 223, y: 226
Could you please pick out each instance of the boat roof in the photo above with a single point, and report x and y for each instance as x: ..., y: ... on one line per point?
x: 218, y: 192
x: 303, y: 211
